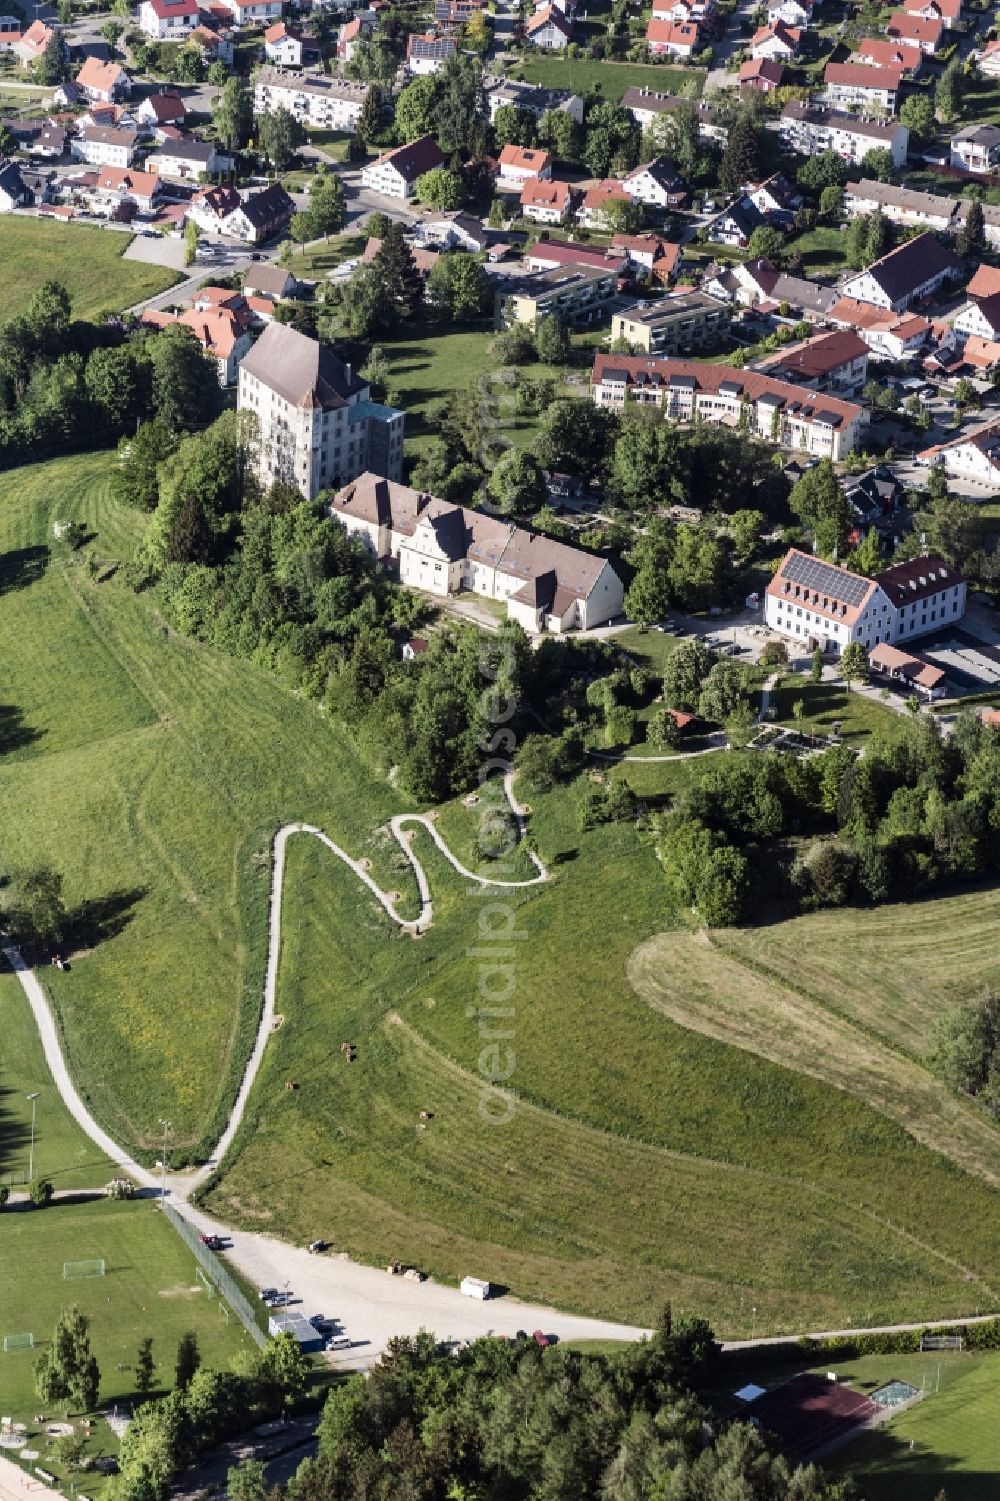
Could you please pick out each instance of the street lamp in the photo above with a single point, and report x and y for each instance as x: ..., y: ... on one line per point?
x: 167, y: 1126
x: 31, y: 1155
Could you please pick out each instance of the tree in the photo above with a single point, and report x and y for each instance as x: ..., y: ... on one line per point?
x: 395, y: 271
x: 824, y: 170
x: 878, y: 164
x: 370, y: 118
x: 917, y: 114
x: 971, y: 237
x: 948, y: 92
x: 111, y: 32
x: 687, y: 667
x: 623, y: 216
x: 867, y: 558
x: 742, y: 158
x: 415, y: 109
x: 232, y: 114
x: 144, y: 1368
x: 560, y: 133
x: 188, y: 1359
x: 664, y: 731
x: 190, y: 242
x: 284, y: 1367
x: 327, y: 206
x: 611, y: 139
x: 816, y: 665
x: 516, y: 484
x: 723, y: 691
x: 459, y: 285
x: 723, y: 889
x: 767, y: 242
x: 40, y: 1193
x: 831, y: 203
x: 185, y: 380
x: 247, y: 1481
x: 514, y: 125
x: 134, y: 474
x: 552, y: 340
x: 440, y: 189
x: 576, y: 438
x: 745, y: 527
x: 820, y: 503
x: 37, y: 911
x: 775, y: 654
x: 698, y: 568
x: 50, y: 68
x: 868, y: 238
x: 67, y: 1371
x: 966, y: 1052
x: 853, y: 663
x: 218, y: 73
x: 648, y: 596
x: 279, y: 133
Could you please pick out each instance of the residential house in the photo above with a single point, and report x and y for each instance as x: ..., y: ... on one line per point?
x: 973, y: 457
x: 979, y: 318
x: 216, y: 46
x: 673, y: 38
x: 424, y: 259
x: 819, y: 425
x: 985, y: 282
x: 456, y: 228
x: 824, y: 362
x: 190, y: 160
x: 549, y: 28
x: 658, y: 184
x: 549, y: 255
x: 395, y: 173
x: 350, y: 36
x: 908, y: 274
x: 538, y: 101
x: 164, y: 108
x: 889, y: 662
x: 104, y: 146
x: 822, y: 604
x: 10, y: 33
x: 988, y: 59
x: 900, y: 205
x: 259, y: 216
x: 520, y: 165
x: 31, y: 45
x: 314, y: 100
x: 810, y: 128
x: 736, y: 224
x: 427, y: 53
x: 288, y: 48
x: 976, y: 148
x: 792, y: 12
x: 762, y: 74
x: 651, y: 254
x: 948, y: 11
x: 887, y: 335
x: 775, y: 41
x: 168, y: 20
x: 51, y: 141
x: 758, y: 284
x: 575, y: 294
x: 775, y: 198
x: 272, y: 281
x: 120, y: 187
x: 680, y: 323
x: 317, y: 423
x: 13, y: 192
x: 861, y: 86
x: 546, y: 201
x: 917, y: 30
x: 253, y: 12
x: 878, y: 52
x: 103, y: 83
x: 593, y: 211
x: 442, y: 549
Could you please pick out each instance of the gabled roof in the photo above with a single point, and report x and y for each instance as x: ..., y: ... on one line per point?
x: 890, y: 54
x: 36, y: 38
x: 788, y: 36
x: 103, y: 78
x: 672, y: 33
x: 301, y: 370
x: 165, y: 10
x: 661, y: 170
x: 431, y: 48
x: 917, y: 579
x: 986, y: 439
x: 914, y: 28
x: 767, y: 68
x: 824, y: 588
x: 540, y: 193
x: 948, y: 10
x: 271, y: 206
x: 907, y: 267
x: 125, y: 180
x: 107, y: 136
x: 665, y: 253
x: 412, y: 160
x: 549, y: 15
x: 985, y: 282
x: 862, y: 76
x: 11, y: 181
x: 609, y: 190
x: 167, y: 107
x: 815, y: 357
x: 711, y: 378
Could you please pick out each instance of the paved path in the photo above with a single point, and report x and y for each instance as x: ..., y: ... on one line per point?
x: 15, y: 1485
x: 791, y: 1339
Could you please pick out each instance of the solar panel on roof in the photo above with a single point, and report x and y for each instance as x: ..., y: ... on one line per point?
x: 813, y: 573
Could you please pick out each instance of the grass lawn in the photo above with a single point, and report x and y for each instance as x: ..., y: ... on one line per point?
x: 585, y: 76
x: 858, y: 714
x: 88, y: 262
x: 822, y: 248
x: 149, y: 1289
x: 316, y: 260
x: 333, y: 143
x: 948, y: 1442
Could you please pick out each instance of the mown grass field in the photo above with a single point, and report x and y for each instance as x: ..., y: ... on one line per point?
x: 827, y: 704
x: 610, y: 80
x: 149, y: 1290
x: 644, y: 1160
x: 86, y: 260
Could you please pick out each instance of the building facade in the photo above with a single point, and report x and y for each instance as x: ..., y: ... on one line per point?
x: 325, y: 103
x: 678, y: 324
x: 811, y: 128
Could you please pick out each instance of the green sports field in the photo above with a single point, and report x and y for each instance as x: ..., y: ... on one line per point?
x: 584, y: 76
x: 150, y: 1288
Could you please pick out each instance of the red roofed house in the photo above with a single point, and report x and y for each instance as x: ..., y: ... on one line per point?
x: 591, y: 213
x: 33, y: 43
x: 167, y: 20
x: 395, y: 173
x: 285, y: 47
x: 350, y: 36
x: 651, y: 253
x: 546, y: 201
x: 117, y: 187
x: 549, y: 28
x: 985, y: 282
x: 927, y: 35
x: 906, y: 56
x: 761, y: 73
x: 779, y: 42
x: 948, y: 11
x: 103, y: 83
x: 520, y: 164
x: 678, y: 39
x: 861, y: 86
x: 222, y: 331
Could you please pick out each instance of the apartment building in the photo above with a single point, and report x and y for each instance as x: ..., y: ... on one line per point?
x: 575, y: 294
x: 317, y: 426
x: 819, y: 425
x: 976, y: 148
x: 908, y: 274
x: 861, y: 86
x: 324, y: 103
x: 811, y: 128
x: 678, y: 324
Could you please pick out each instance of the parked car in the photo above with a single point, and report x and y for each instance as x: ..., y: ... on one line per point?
x: 213, y: 1242
x: 267, y: 1292
x: 339, y: 1342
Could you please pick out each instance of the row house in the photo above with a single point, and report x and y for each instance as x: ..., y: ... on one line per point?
x: 811, y: 128
x: 314, y: 100
x: 931, y: 211
x: 887, y: 335
x: 251, y: 217
x: 820, y: 425
x: 551, y: 255
x: 822, y: 604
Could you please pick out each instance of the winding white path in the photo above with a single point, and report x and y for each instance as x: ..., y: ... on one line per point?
x: 182, y: 1187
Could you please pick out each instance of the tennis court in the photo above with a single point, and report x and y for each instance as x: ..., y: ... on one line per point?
x: 811, y: 1414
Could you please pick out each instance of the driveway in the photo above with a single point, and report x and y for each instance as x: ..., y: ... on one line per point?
x: 731, y: 43
x: 157, y: 250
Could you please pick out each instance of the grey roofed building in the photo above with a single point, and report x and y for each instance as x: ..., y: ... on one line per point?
x: 933, y: 209
x: 910, y: 266
x: 807, y: 295
x: 501, y: 91
x: 301, y: 370
x: 268, y: 209
x: 189, y: 149
x: 110, y: 135
x: 271, y: 281
x: 987, y: 136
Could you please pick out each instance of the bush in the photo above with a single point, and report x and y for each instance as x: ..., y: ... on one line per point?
x: 120, y: 1188
x: 40, y: 1192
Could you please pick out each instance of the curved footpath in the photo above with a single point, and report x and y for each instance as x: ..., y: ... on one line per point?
x: 370, y: 1305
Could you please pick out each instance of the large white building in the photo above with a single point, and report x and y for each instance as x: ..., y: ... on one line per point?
x: 811, y: 128
x: 317, y: 426
x: 325, y: 103
x: 395, y: 173
x: 822, y: 604
x: 973, y: 457
x: 444, y: 548
x: 168, y: 20
x: 912, y: 272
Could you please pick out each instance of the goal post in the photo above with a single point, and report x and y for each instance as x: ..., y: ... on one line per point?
x: 18, y: 1342
x: 94, y: 1267
x: 204, y: 1281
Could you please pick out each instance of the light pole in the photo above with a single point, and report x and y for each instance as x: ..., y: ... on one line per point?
x: 163, y: 1160
x: 31, y: 1154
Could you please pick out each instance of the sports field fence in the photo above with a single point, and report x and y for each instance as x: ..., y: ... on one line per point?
x: 217, y: 1274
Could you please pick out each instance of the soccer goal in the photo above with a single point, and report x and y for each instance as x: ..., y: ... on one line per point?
x: 18, y: 1342
x: 75, y: 1269
x: 204, y: 1280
